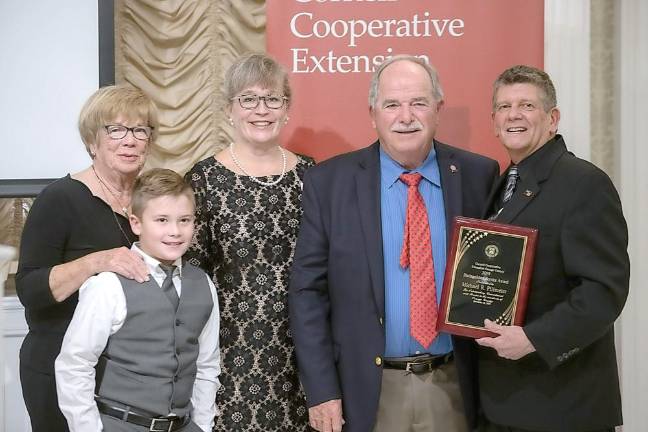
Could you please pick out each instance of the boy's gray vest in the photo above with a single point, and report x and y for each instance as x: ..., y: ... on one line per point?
x: 150, y: 363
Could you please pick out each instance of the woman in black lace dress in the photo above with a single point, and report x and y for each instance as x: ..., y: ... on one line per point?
x: 248, y: 199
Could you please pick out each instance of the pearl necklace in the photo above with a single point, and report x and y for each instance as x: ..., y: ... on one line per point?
x: 255, y: 179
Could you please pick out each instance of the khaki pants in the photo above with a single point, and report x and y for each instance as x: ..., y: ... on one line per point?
x: 428, y: 402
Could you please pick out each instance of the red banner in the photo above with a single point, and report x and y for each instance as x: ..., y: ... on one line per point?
x: 330, y: 48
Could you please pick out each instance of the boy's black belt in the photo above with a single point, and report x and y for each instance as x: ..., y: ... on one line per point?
x: 155, y: 424
x: 418, y: 364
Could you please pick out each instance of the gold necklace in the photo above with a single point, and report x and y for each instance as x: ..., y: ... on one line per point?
x: 119, y: 225
x: 105, y: 187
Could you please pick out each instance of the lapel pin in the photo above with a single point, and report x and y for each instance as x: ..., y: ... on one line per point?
x: 528, y: 193
x: 453, y: 169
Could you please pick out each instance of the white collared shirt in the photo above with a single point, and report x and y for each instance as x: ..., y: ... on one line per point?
x: 101, y: 313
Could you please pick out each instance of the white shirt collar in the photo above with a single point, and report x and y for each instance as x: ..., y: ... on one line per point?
x: 154, y: 265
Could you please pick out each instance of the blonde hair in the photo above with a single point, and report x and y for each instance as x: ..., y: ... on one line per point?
x: 110, y: 102
x: 155, y: 183
x: 256, y: 69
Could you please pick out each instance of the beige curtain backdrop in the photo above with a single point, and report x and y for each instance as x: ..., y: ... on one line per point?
x: 178, y: 51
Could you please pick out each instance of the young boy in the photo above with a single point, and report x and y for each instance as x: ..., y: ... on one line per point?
x: 144, y: 356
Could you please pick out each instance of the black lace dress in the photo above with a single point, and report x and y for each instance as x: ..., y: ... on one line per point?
x: 245, y: 237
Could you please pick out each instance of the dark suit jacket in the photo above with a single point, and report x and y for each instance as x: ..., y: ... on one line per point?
x: 578, y: 288
x: 337, y: 290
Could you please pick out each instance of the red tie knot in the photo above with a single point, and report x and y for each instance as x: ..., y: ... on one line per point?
x: 411, y: 179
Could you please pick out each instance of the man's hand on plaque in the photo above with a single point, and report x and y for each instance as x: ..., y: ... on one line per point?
x: 512, y: 343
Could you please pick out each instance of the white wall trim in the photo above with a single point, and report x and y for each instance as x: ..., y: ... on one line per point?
x: 633, y: 176
x: 13, y: 331
x: 6, y: 255
x: 11, y: 307
x: 567, y: 61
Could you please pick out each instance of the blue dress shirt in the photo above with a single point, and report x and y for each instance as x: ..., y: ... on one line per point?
x: 393, y: 203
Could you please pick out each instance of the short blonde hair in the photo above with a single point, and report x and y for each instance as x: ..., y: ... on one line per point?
x: 110, y: 102
x: 256, y: 69
x: 158, y: 182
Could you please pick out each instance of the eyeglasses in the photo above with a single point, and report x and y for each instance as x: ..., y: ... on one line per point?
x: 118, y: 131
x: 251, y: 101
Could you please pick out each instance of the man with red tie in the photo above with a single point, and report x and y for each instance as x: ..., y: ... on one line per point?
x: 369, y: 266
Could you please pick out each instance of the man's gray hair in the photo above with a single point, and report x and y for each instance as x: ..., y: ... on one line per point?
x: 437, y: 91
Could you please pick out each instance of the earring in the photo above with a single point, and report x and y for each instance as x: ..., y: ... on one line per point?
x: 286, y: 121
x: 231, y: 121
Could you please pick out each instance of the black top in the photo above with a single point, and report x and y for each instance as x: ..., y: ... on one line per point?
x: 65, y: 222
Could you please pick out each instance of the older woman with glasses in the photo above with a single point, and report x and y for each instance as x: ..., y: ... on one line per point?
x: 248, y: 200
x: 78, y: 227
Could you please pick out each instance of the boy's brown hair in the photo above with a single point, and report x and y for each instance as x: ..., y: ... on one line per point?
x: 155, y: 183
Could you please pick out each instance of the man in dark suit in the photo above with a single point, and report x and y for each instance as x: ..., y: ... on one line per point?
x: 364, y: 362
x: 559, y: 371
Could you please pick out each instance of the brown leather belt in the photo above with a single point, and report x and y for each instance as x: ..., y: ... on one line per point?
x: 153, y: 423
x: 417, y: 364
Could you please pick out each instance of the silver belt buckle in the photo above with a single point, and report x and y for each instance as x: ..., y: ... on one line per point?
x: 154, y: 428
x: 408, y: 366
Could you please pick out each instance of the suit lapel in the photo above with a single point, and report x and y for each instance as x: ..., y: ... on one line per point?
x: 450, y: 170
x: 368, y: 193
x: 529, y: 185
x: 526, y: 190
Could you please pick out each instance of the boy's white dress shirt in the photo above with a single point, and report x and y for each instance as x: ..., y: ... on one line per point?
x: 100, y: 313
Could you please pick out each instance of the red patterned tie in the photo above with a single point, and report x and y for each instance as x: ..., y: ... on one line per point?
x: 417, y: 254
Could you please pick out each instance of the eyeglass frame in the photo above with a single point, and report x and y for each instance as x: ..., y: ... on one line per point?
x: 131, y: 130
x: 284, y: 99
